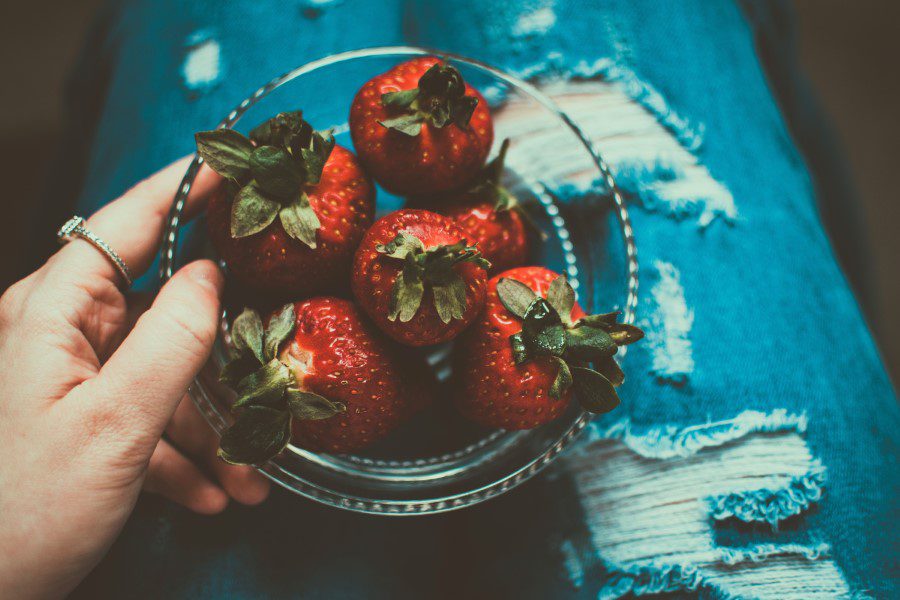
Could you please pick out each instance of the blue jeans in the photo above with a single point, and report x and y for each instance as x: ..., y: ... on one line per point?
x: 754, y: 453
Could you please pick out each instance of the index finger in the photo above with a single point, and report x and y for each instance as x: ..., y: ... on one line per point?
x: 133, y: 224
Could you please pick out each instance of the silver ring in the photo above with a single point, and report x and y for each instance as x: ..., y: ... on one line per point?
x: 74, y: 228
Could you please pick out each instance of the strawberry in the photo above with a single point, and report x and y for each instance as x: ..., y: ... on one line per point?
x: 520, y: 362
x: 499, y: 234
x: 316, y: 374
x: 492, y: 217
x: 417, y: 278
x: 292, y: 209
x: 420, y: 129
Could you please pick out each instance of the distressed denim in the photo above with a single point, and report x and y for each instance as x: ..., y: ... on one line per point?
x: 754, y: 453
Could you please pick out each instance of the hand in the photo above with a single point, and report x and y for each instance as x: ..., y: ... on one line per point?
x: 85, y: 398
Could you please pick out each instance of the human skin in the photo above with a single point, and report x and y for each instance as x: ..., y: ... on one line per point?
x: 90, y: 381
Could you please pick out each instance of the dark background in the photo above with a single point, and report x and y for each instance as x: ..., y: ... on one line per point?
x: 849, y: 51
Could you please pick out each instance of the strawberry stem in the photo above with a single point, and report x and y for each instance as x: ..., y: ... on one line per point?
x: 268, y: 398
x: 547, y: 330
x: 273, y: 167
x: 433, y: 268
x: 439, y: 98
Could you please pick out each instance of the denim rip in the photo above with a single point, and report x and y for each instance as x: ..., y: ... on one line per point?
x: 668, y: 326
x: 652, y: 497
x: 651, y: 149
x: 772, y: 505
x: 537, y: 21
x: 201, y: 69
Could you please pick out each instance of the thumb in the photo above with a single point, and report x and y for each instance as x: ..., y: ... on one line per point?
x: 149, y: 373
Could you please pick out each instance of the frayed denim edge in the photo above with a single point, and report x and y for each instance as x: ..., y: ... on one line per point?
x: 735, y: 556
x: 554, y: 67
x: 651, y: 180
x: 715, y: 572
x: 671, y: 441
x: 771, y: 506
x: 647, y: 182
x: 647, y: 579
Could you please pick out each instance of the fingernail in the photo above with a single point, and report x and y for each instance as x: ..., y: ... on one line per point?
x: 208, y: 275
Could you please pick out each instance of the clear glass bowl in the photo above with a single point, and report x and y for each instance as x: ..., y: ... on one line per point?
x: 438, y: 462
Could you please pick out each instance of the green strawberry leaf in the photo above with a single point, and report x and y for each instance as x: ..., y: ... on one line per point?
x: 561, y: 297
x: 251, y: 211
x: 515, y: 296
x: 603, y: 320
x: 519, y: 348
x: 461, y: 110
x: 313, y: 165
x: 543, y: 331
x: 450, y: 298
x: 407, y: 292
x: 625, y: 334
x: 226, y: 151
x: 550, y: 341
x: 264, y: 134
x: 300, y: 220
x: 400, y: 246
x: 275, y: 172
x: 308, y: 150
x: 410, y: 125
x: 488, y: 186
x: 493, y: 172
x: 238, y: 368
x: 594, y: 391
x: 563, y: 380
x: 622, y: 333
x: 323, y: 142
x: 439, y: 260
x: 503, y: 199
x: 263, y: 387
x: 281, y: 326
x: 448, y: 287
x: 442, y: 97
x: 401, y: 99
x: 285, y: 130
x: 434, y: 267
x: 307, y: 406
x: 473, y: 255
x: 315, y: 157
x: 247, y: 335
x: 610, y: 369
x: 442, y: 81
x: 441, y: 116
x: 543, y: 328
x: 589, y: 343
x: 258, y: 434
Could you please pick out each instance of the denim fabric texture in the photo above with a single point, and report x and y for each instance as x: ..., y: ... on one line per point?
x: 751, y: 323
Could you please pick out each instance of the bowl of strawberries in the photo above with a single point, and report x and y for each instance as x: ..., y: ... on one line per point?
x: 416, y: 318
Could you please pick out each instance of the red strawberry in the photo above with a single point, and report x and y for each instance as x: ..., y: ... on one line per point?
x: 499, y: 235
x: 519, y: 363
x: 420, y: 129
x: 417, y: 278
x: 317, y: 374
x: 492, y: 217
x: 294, y: 208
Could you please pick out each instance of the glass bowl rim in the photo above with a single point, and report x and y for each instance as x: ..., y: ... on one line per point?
x: 313, y: 490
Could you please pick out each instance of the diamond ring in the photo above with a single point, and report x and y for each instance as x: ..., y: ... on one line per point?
x: 74, y: 228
